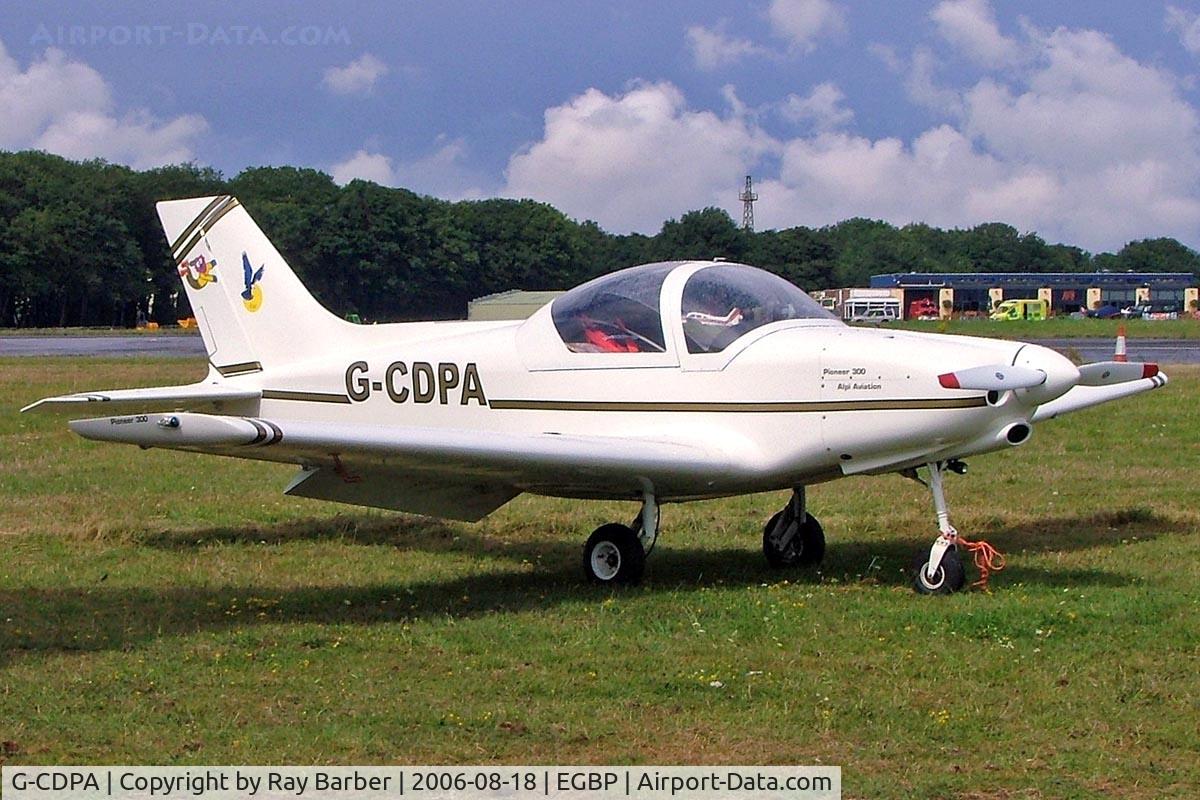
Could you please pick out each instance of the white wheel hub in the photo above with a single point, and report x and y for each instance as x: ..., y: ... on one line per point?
x: 606, y: 561
x: 934, y: 582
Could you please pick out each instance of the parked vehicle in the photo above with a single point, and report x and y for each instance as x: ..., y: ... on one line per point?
x: 1021, y: 309
x: 1104, y: 312
x: 1151, y: 311
x: 876, y: 310
x: 923, y: 309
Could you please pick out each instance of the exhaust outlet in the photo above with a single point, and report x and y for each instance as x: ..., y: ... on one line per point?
x: 1016, y: 434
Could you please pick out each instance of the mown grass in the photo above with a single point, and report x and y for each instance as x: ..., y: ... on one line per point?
x: 166, y: 608
x: 1060, y: 328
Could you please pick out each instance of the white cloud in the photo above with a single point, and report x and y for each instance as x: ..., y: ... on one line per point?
x: 802, y: 22
x: 822, y: 108
x: 1085, y: 106
x: 357, y: 77
x: 1084, y: 145
x: 887, y: 54
x: 835, y: 176
x: 971, y: 27
x: 443, y: 173
x: 365, y: 166
x: 631, y: 160
x: 1076, y: 141
x: 1187, y: 24
x: 711, y: 48
x: 923, y: 89
x: 66, y: 107
x: 136, y: 139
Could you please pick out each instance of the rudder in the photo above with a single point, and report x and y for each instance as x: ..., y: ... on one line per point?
x: 251, y: 308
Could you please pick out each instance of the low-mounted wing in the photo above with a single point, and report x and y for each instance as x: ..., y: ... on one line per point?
x: 993, y: 378
x: 447, y: 473
x: 1085, y: 396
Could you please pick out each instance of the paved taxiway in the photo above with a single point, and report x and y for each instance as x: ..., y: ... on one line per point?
x: 133, y: 345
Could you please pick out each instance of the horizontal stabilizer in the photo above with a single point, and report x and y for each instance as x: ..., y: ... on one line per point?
x: 1107, y: 373
x: 993, y: 378
x: 158, y: 398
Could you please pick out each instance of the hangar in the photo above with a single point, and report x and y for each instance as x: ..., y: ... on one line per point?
x: 513, y: 304
x: 976, y: 293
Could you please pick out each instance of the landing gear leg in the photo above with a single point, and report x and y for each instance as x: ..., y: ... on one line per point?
x: 939, y: 570
x: 646, y: 523
x: 793, y: 537
x: 616, y: 554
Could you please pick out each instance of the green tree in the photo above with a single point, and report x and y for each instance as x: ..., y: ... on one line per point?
x: 705, y: 234
x: 1157, y: 255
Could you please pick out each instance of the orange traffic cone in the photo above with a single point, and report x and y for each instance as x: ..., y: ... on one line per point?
x: 1119, y: 353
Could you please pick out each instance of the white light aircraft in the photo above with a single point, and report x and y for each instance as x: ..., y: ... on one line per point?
x: 661, y: 383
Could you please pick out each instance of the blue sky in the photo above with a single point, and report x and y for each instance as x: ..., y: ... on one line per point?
x: 1080, y: 120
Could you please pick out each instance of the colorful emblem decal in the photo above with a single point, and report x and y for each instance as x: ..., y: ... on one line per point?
x: 252, y: 298
x: 198, y: 272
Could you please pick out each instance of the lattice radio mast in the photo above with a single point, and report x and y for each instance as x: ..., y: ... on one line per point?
x: 748, y: 197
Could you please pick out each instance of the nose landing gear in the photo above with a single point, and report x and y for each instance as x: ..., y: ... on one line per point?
x: 939, y: 570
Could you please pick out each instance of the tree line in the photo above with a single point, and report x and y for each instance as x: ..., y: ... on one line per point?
x: 80, y: 244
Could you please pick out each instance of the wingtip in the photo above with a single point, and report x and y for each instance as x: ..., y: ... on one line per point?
x: 1149, y: 370
x: 948, y: 380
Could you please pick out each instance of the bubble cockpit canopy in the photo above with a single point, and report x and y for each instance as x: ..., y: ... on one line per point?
x: 623, y: 312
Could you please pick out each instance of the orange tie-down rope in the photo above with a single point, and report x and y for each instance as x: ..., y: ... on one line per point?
x: 987, y: 560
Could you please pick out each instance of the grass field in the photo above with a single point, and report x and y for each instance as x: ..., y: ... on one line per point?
x: 158, y: 607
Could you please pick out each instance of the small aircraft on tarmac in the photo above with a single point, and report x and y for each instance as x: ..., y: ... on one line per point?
x: 661, y: 383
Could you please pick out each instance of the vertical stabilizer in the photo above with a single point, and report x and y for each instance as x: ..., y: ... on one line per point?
x: 252, y: 310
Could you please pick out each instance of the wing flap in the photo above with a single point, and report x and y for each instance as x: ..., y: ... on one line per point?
x: 158, y: 398
x: 432, y: 496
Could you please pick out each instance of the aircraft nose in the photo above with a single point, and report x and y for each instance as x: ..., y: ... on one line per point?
x: 1061, y: 374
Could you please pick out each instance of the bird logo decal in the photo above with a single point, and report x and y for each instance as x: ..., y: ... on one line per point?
x: 198, y: 272
x: 252, y: 298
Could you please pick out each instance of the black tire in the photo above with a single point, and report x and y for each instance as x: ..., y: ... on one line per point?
x: 614, y: 555
x: 949, y: 578
x: 806, y: 548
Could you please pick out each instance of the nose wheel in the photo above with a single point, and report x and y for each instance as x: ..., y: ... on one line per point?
x: 939, y: 570
x: 793, y: 537
x: 948, y: 578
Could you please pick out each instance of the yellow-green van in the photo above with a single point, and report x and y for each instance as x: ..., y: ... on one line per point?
x: 1021, y: 309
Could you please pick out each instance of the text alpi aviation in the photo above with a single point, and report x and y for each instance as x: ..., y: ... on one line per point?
x: 661, y: 383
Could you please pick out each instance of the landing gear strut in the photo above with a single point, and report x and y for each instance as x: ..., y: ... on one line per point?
x: 793, y: 537
x: 939, y: 570
x: 616, y: 553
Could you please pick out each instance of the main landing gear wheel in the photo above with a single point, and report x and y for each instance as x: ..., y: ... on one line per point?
x: 948, y: 578
x: 614, y: 555
x: 793, y: 537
